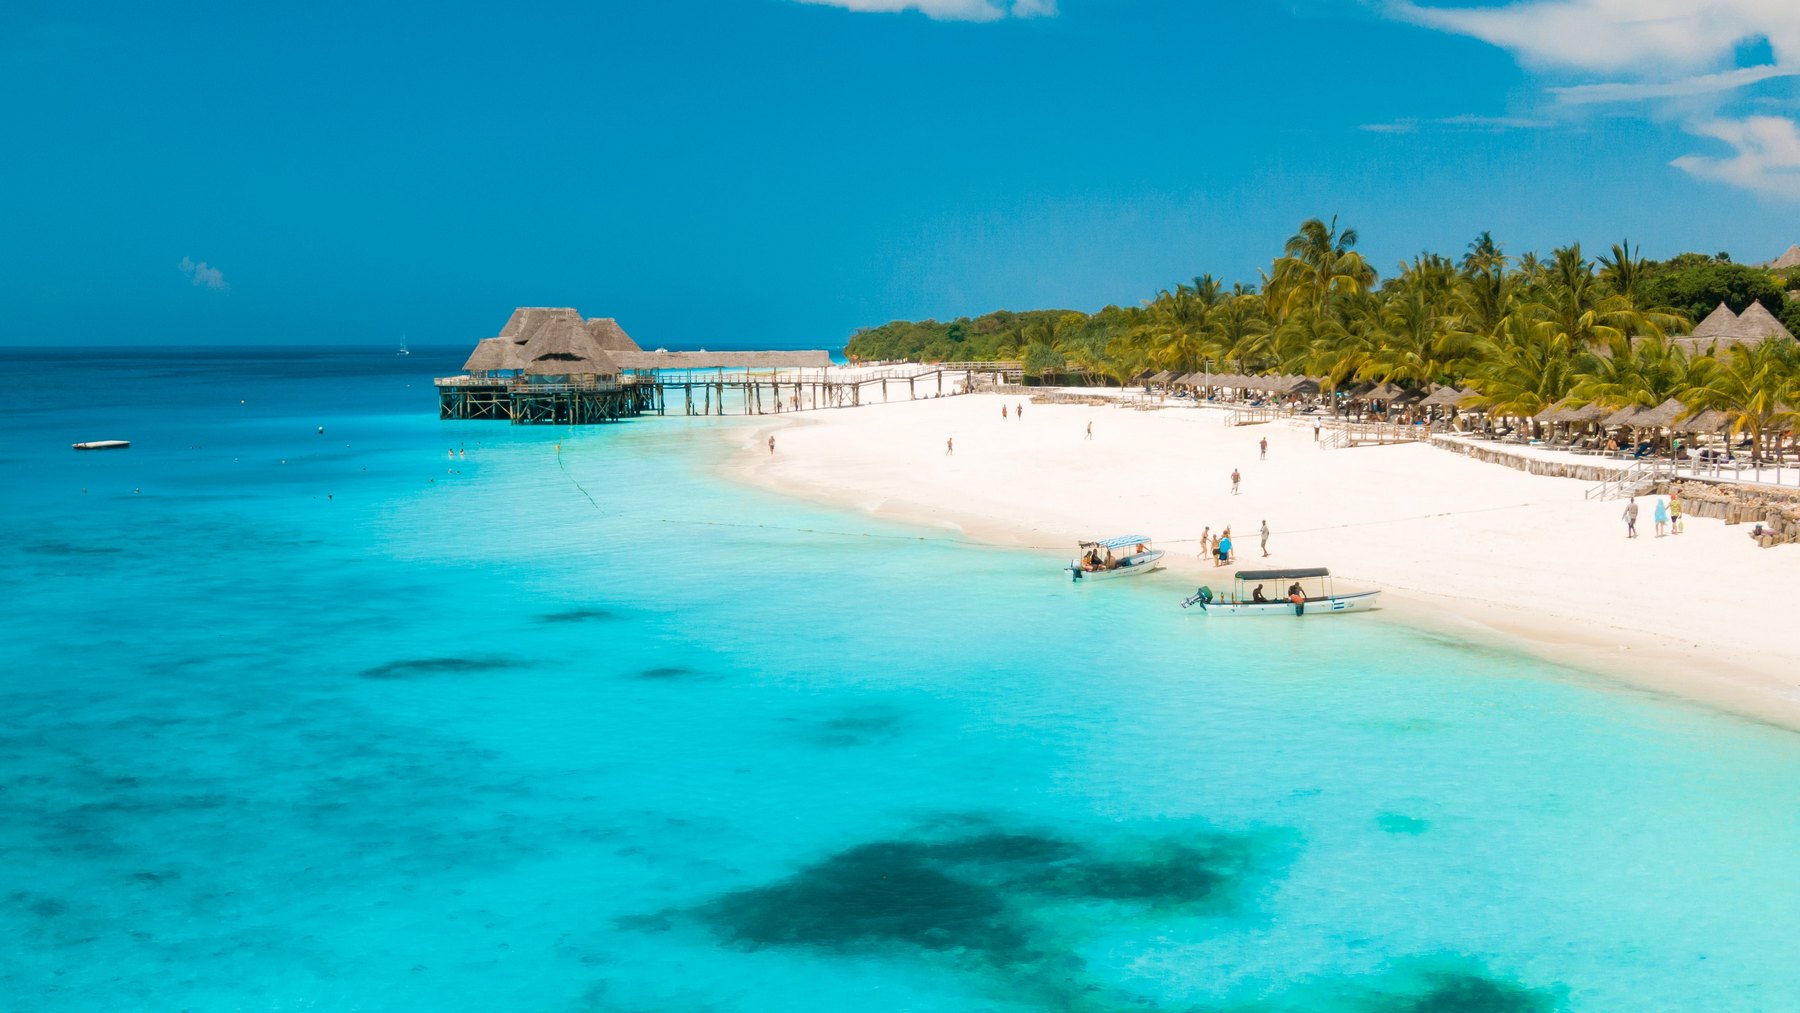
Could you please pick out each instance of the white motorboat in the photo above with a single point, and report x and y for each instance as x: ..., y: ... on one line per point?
x: 1124, y: 556
x: 1308, y: 592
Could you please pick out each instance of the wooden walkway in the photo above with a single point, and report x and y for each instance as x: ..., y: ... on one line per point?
x: 527, y: 403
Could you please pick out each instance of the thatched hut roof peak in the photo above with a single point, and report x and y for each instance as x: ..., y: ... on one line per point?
x: 1720, y: 323
x: 1756, y: 323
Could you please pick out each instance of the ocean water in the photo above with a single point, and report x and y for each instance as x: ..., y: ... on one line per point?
x: 304, y: 721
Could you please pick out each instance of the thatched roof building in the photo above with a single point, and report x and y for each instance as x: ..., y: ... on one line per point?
x: 556, y: 341
x: 551, y: 341
x: 1723, y: 328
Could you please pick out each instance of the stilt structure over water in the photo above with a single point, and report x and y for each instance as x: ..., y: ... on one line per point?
x: 549, y: 366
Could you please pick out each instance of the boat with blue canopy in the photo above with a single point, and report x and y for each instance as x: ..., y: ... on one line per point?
x: 1106, y: 558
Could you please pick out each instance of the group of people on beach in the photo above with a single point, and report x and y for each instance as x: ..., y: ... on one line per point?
x: 1220, y: 548
x: 1667, y: 516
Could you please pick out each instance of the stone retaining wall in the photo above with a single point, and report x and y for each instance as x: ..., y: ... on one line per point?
x: 1778, y: 510
x: 1585, y: 472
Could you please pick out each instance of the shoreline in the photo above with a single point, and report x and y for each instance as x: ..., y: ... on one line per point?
x: 1627, y: 640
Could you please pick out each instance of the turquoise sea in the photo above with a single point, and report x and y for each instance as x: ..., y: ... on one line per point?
x: 304, y: 721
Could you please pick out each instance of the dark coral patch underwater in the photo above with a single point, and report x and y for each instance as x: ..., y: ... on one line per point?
x: 578, y: 615
x: 1004, y: 905
x: 1423, y: 985
x: 414, y: 668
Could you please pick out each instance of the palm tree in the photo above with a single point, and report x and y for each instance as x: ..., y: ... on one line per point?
x: 1524, y: 369
x: 1320, y: 264
x: 1645, y: 374
x: 1752, y: 385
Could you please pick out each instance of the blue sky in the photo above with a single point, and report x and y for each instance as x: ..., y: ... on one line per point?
x: 778, y: 172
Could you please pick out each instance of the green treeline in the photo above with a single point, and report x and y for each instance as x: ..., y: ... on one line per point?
x: 1524, y: 332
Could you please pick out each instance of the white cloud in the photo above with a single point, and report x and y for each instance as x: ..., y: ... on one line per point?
x: 951, y: 10
x: 1490, y: 124
x: 1642, y: 91
x: 1679, y: 56
x: 1767, y: 158
x: 204, y: 276
x: 1647, y: 38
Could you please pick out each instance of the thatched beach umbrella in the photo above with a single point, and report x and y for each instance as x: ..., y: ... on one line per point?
x: 1660, y: 417
x: 1622, y: 417
x: 1709, y: 421
x: 1552, y: 414
x: 1442, y: 397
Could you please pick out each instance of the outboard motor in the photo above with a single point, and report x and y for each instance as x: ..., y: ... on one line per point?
x: 1202, y: 597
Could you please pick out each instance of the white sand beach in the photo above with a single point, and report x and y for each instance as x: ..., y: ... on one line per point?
x: 1480, y: 548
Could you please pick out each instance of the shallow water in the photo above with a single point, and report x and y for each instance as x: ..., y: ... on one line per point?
x: 304, y: 721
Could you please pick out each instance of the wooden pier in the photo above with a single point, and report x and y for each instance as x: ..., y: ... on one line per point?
x: 549, y: 366
x: 528, y: 402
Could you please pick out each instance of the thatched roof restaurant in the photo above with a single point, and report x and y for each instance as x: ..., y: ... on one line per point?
x: 549, y: 365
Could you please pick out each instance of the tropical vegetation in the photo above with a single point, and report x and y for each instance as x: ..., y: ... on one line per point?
x: 1522, y: 332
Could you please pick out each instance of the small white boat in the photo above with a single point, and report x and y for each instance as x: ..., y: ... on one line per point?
x: 1125, y: 556
x: 103, y: 445
x: 1308, y: 592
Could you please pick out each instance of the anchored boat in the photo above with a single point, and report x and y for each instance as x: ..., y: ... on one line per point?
x: 1262, y: 593
x: 1124, y: 556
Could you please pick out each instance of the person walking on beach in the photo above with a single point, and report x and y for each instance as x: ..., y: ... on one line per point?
x: 1090, y: 432
x: 1674, y: 514
x: 1630, y: 518
x: 1263, y: 446
x: 771, y: 444
x: 1235, y: 477
x: 950, y: 446
x: 1265, y: 537
x: 1662, y: 517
